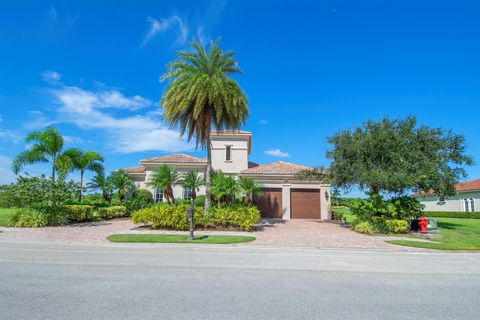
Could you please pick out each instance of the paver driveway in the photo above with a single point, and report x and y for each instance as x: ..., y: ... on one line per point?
x: 314, y: 233
x: 291, y: 233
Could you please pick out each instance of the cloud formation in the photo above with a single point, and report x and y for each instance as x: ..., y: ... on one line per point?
x: 276, y: 153
x: 263, y: 121
x: 94, y: 110
x: 174, y: 22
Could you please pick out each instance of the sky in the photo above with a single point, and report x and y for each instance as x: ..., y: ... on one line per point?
x: 310, y: 69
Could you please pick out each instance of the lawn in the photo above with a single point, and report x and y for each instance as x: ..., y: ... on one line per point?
x: 457, y: 234
x: 4, y: 213
x: 174, y: 238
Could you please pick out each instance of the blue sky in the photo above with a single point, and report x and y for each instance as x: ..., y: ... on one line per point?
x: 310, y: 68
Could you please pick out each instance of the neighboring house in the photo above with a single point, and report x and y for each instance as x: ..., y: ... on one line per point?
x: 466, y: 200
x: 285, y: 196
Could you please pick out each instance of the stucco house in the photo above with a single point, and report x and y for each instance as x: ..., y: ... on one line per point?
x: 285, y: 196
x: 466, y: 199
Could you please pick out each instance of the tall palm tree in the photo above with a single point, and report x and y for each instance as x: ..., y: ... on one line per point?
x: 249, y: 187
x: 45, y: 146
x: 192, y: 180
x: 164, y: 178
x: 121, y: 182
x: 201, y: 95
x: 82, y: 161
x: 99, y: 182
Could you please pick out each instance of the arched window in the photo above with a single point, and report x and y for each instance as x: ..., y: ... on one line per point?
x: 472, y: 204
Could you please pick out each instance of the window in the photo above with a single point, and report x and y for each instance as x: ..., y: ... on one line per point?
x: 228, y: 153
x: 472, y: 204
x: 187, y: 193
x: 467, y: 205
x: 158, y: 195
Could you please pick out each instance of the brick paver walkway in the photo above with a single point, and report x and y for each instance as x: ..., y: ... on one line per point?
x: 292, y: 233
x: 314, y: 233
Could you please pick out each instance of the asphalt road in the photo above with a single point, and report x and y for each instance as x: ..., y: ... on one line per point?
x: 52, y: 281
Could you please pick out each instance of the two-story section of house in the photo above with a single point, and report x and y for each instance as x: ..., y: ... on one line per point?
x: 284, y: 195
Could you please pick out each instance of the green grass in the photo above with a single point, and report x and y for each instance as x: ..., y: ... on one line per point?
x: 174, y: 238
x: 456, y: 234
x: 347, y: 215
x: 4, y: 213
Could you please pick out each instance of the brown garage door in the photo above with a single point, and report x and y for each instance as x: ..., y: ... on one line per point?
x: 305, y: 203
x: 270, y: 203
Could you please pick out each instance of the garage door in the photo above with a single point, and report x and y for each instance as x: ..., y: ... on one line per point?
x: 305, y: 203
x: 270, y: 204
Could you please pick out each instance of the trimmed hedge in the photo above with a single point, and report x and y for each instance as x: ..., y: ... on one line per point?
x: 167, y: 216
x: 79, y: 212
x: 448, y: 214
x: 112, y: 212
x: 174, y: 216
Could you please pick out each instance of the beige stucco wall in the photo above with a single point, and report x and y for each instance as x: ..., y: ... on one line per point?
x: 454, y: 203
x: 239, y: 154
x: 141, y: 182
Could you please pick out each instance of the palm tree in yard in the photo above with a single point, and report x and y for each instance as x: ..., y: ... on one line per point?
x: 99, y: 182
x: 165, y: 178
x: 192, y: 180
x: 82, y: 161
x: 201, y: 95
x: 224, y: 188
x: 249, y: 187
x: 121, y: 181
x: 45, y: 146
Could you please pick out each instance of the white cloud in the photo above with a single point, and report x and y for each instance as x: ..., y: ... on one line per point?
x: 6, y: 174
x: 38, y: 120
x: 164, y: 24
x: 276, y: 153
x: 72, y: 139
x: 263, y: 121
x: 7, y: 135
x: 125, y: 134
x: 51, y: 76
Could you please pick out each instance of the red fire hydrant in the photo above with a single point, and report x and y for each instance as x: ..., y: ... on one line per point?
x: 423, y: 223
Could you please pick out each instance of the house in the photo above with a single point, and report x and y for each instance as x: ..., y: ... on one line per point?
x: 466, y: 199
x: 285, y: 196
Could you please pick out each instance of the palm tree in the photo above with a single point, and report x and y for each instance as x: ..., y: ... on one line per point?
x: 249, y: 187
x: 201, y: 95
x: 224, y: 188
x: 121, y: 182
x: 99, y: 182
x: 164, y: 178
x: 192, y: 180
x: 47, y: 147
x: 83, y: 161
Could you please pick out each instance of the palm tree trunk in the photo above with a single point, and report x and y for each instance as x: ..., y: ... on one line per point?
x: 170, y: 191
x: 246, y: 199
x: 208, y: 178
x: 81, y: 186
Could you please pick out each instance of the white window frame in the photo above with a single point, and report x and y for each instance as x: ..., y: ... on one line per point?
x: 158, y: 193
x: 228, y: 151
x: 187, y: 194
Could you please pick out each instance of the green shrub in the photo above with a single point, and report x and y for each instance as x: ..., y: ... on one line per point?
x: 397, y: 226
x: 56, y: 216
x: 112, y: 212
x: 143, y: 195
x: 27, y: 218
x: 237, y: 216
x: 364, y: 227
x: 79, y: 213
x: 167, y: 216
x: 174, y: 216
x: 447, y: 214
x: 337, y: 215
x: 133, y: 204
x: 200, y: 201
